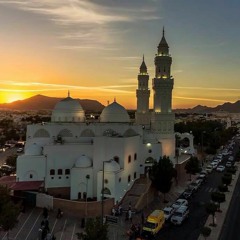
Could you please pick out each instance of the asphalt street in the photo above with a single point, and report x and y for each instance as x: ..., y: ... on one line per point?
x: 191, y: 228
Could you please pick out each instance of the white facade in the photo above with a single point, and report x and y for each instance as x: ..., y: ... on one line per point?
x: 71, y: 153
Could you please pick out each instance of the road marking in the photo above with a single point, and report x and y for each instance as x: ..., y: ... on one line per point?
x: 33, y: 226
x: 63, y: 229
x: 54, y: 225
x: 23, y: 224
x: 73, y: 231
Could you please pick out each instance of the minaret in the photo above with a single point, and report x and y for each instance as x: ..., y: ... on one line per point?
x: 162, y: 116
x: 142, y: 115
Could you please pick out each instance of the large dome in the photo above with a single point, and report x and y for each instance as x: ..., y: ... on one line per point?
x: 68, y: 110
x: 83, y: 162
x: 114, y: 113
x: 112, y: 166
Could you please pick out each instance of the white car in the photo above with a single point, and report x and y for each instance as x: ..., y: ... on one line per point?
x: 228, y: 164
x: 214, y: 165
x: 220, y: 168
x: 180, y: 202
x: 180, y: 215
x: 168, y: 212
x: 209, y: 168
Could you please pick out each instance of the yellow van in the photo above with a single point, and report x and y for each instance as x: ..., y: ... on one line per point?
x: 154, y: 223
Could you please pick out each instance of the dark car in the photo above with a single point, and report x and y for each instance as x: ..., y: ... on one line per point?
x: 188, y: 193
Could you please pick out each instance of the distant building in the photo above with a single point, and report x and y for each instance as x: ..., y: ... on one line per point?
x: 69, y: 153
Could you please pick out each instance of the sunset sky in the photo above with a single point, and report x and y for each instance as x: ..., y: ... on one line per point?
x: 94, y: 48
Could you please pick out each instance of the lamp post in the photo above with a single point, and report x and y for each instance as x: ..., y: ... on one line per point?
x: 87, y: 178
x: 103, y: 166
x: 202, y: 145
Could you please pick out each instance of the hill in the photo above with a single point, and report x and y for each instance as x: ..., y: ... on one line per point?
x: 226, y: 107
x: 40, y: 102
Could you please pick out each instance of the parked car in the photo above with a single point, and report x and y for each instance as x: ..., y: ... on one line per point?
x: 209, y: 168
x: 188, y: 193
x: 195, y: 185
x: 19, y: 150
x: 168, y: 212
x: 228, y: 164
x: 231, y: 158
x: 202, y: 175
x: 214, y: 165
x: 220, y: 168
x: 180, y: 202
x: 180, y: 215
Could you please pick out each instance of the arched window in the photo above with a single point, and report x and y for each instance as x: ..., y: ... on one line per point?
x: 135, y: 156
x: 129, y: 178
x: 52, y: 172
x: 67, y: 171
x: 60, y: 171
x: 30, y: 176
x: 129, y: 159
x: 135, y: 175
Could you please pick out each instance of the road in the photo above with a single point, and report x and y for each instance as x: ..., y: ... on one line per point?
x: 191, y: 228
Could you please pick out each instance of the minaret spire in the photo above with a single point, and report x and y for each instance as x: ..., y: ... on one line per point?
x: 143, y: 67
x: 163, y: 32
x: 68, y: 93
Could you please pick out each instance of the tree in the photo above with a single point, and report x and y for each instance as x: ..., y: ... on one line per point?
x: 211, y: 209
x: 192, y: 166
x: 222, y: 188
x: 8, y: 210
x: 227, y: 179
x: 206, y: 231
x: 219, y: 198
x: 11, y: 160
x: 161, y: 174
x: 94, y: 230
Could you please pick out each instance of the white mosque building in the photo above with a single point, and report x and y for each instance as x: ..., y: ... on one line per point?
x: 70, y: 155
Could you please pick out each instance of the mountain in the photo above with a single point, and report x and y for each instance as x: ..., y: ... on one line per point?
x: 226, y: 107
x: 40, y: 102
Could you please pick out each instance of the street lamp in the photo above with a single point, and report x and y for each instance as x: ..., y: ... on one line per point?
x: 202, y: 145
x: 107, y: 161
x: 87, y: 178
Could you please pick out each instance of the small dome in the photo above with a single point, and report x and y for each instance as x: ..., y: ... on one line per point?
x: 33, y: 150
x: 83, y: 162
x: 68, y: 110
x: 114, y: 113
x: 112, y: 166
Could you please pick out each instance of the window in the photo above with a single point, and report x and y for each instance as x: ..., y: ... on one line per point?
x: 135, y: 175
x: 60, y: 171
x: 129, y: 178
x: 67, y: 171
x: 129, y: 158
x: 119, y: 180
x: 135, y: 156
x: 149, y: 151
x: 52, y: 172
x: 116, y: 159
x: 30, y: 176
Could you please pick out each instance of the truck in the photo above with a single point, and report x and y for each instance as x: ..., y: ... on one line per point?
x: 154, y: 223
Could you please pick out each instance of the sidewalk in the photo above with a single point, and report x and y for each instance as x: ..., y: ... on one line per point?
x: 220, y: 216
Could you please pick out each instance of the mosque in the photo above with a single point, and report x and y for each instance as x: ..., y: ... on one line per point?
x: 75, y: 157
